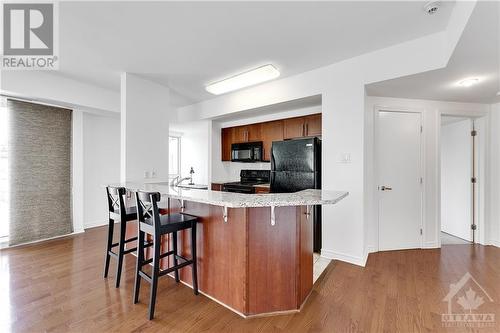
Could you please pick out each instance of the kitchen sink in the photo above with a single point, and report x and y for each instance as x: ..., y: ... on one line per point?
x: 194, y: 186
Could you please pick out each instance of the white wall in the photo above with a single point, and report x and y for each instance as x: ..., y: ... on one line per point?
x: 456, y: 172
x: 494, y: 189
x: 48, y: 87
x: 77, y: 170
x: 101, y: 165
x: 195, y: 137
x: 432, y: 111
x: 145, y: 114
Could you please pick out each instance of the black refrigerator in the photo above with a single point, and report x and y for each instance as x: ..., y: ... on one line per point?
x: 296, y: 166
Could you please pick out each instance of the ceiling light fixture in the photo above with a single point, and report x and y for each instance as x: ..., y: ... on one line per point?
x: 245, y: 79
x: 468, y: 82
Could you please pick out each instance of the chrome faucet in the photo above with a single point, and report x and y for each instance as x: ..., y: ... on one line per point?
x: 173, y: 181
x: 177, y: 180
x: 181, y: 180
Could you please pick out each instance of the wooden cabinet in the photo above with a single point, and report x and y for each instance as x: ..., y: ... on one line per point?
x: 226, y: 141
x: 301, y: 127
x: 313, y: 125
x: 271, y: 131
x: 267, y: 132
x: 262, y: 189
x: 217, y: 186
x: 247, y: 133
x: 254, y: 132
x: 240, y: 134
x: 294, y: 128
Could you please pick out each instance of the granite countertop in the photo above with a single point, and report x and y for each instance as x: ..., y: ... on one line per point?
x: 238, y: 200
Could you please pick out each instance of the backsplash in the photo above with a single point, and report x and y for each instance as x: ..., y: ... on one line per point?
x: 231, y: 170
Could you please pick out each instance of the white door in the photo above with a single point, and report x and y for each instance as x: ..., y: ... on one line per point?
x: 399, y: 180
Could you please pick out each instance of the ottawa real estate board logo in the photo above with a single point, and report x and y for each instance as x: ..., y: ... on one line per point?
x: 30, y: 36
x: 466, y: 301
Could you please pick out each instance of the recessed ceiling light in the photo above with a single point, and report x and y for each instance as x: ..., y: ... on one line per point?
x: 246, y: 79
x: 468, y: 82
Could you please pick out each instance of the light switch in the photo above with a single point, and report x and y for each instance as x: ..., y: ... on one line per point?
x: 345, y: 158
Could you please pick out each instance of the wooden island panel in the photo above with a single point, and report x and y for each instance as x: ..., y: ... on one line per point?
x: 246, y: 263
x: 272, y: 260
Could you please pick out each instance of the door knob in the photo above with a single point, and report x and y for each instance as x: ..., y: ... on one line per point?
x: 385, y: 188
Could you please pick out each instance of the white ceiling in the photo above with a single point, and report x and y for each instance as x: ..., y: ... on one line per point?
x: 476, y: 55
x: 186, y: 45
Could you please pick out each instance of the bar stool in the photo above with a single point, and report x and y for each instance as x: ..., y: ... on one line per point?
x: 156, y: 225
x: 118, y: 212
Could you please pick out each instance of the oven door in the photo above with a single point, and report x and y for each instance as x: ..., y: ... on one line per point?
x: 238, y: 189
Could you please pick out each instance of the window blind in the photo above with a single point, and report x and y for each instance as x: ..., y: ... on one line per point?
x: 39, y: 171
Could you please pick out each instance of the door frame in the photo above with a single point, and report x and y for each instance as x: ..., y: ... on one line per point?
x: 376, y: 191
x: 482, y: 160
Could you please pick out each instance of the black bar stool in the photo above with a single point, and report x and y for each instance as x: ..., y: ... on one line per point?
x: 118, y: 212
x: 156, y: 225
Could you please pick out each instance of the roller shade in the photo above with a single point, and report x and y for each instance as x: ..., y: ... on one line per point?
x: 39, y: 172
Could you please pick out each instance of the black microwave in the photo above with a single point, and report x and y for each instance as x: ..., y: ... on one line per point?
x: 246, y: 152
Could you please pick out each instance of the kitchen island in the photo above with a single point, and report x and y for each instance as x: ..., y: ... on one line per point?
x: 255, y: 251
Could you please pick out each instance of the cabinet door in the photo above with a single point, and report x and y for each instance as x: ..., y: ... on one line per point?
x: 313, y: 125
x: 261, y: 189
x: 226, y: 141
x: 294, y: 128
x: 216, y: 187
x: 254, y: 132
x: 240, y: 134
x: 271, y: 131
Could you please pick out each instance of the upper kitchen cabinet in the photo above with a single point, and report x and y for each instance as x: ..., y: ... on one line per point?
x: 254, y: 132
x: 300, y: 127
x: 271, y: 131
x: 247, y: 133
x: 294, y: 128
x: 226, y: 141
x: 267, y: 132
x: 313, y: 125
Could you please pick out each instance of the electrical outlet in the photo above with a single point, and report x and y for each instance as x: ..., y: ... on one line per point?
x: 146, y: 174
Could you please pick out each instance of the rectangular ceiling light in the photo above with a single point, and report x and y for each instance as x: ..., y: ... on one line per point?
x: 246, y: 79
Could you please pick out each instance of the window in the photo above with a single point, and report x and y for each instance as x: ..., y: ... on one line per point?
x: 174, y: 156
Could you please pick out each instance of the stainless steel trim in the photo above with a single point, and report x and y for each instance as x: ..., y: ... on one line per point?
x: 273, y: 216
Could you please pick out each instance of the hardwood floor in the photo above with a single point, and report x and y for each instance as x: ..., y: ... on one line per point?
x: 58, y: 286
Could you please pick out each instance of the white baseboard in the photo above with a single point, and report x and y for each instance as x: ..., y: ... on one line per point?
x: 495, y: 242
x: 333, y: 255
x: 93, y: 224
x: 44, y: 240
x: 431, y: 245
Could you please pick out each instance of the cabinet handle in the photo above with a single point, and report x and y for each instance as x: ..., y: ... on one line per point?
x: 303, y: 129
x: 307, y: 129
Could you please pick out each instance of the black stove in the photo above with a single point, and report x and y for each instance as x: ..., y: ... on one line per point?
x: 248, y: 178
